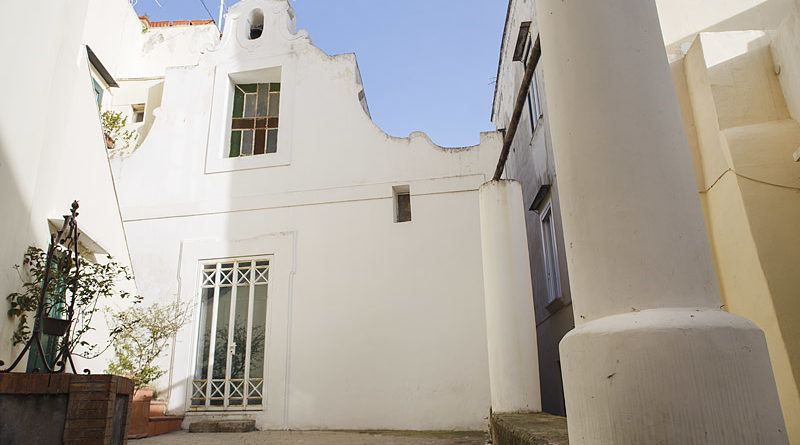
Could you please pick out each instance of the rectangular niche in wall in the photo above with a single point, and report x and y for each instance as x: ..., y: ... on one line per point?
x: 402, y: 203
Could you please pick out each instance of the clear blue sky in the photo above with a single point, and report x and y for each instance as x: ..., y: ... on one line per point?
x: 427, y: 65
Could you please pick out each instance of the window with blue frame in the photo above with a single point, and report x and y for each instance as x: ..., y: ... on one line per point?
x: 98, y: 92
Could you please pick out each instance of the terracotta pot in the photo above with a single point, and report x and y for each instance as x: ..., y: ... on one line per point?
x: 158, y: 408
x: 145, y: 393
x: 140, y: 413
x: 139, y: 419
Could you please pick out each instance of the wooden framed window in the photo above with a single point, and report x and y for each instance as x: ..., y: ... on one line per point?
x: 254, y: 122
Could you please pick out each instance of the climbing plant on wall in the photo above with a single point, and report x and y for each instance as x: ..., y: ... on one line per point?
x: 97, y: 283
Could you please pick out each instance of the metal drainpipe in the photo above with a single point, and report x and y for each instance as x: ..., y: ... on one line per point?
x: 518, y: 106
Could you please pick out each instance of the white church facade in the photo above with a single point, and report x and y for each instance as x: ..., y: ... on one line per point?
x: 335, y: 271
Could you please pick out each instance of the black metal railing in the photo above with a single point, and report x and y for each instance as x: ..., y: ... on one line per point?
x: 63, y: 264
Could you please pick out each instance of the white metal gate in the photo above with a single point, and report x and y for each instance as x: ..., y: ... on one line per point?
x: 229, y: 369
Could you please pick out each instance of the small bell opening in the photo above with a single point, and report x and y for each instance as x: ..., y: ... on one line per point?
x: 256, y: 24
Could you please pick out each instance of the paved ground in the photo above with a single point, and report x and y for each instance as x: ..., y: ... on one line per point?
x: 317, y: 438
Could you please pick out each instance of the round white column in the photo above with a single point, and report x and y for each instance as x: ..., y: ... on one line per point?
x: 653, y: 359
x: 510, y: 324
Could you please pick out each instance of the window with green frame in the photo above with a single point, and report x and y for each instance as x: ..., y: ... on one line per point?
x: 56, y: 307
x: 254, y: 122
x: 98, y: 92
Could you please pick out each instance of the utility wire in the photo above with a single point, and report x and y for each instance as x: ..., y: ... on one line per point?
x: 210, y: 15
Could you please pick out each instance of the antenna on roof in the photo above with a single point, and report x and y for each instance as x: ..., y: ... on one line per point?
x: 218, y: 25
x: 221, y: 8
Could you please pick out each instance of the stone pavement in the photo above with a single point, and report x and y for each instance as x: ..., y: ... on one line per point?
x: 318, y: 438
x: 529, y: 429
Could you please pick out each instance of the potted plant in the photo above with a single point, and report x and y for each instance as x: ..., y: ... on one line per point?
x: 158, y: 406
x: 143, y: 334
x: 96, y: 286
x: 117, y: 137
x: 60, y: 293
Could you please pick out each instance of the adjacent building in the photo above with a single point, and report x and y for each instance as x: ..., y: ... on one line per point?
x: 734, y: 72
x: 530, y: 162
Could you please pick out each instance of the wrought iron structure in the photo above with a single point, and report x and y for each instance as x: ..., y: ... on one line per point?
x: 63, y: 263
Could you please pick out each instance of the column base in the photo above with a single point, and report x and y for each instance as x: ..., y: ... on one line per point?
x: 671, y: 376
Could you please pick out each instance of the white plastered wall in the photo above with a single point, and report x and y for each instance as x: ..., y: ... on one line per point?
x: 784, y: 46
x: 130, y: 50
x: 383, y: 324
x: 746, y: 137
x: 681, y: 20
x: 51, y: 145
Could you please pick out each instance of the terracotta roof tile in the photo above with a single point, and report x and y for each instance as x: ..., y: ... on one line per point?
x: 167, y: 23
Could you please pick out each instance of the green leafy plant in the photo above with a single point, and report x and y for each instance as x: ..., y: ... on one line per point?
x: 114, y: 123
x: 144, y: 333
x: 97, y: 282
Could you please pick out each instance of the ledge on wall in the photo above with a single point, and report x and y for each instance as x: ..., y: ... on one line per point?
x: 86, y: 240
x: 528, y: 429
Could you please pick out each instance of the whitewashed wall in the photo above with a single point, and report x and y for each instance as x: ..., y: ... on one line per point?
x: 119, y: 39
x: 372, y: 324
x: 681, y: 20
x: 51, y: 145
x: 52, y: 150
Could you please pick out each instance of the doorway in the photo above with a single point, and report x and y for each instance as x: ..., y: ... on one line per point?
x: 230, y: 357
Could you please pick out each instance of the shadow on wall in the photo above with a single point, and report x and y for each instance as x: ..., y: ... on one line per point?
x: 771, y: 195
x: 154, y: 96
x: 15, y: 232
x: 765, y: 15
x: 741, y: 138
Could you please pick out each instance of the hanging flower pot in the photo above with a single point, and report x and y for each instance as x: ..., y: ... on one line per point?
x: 110, y: 142
x: 54, y: 326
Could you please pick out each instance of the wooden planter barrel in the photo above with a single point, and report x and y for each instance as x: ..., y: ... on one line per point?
x: 64, y: 408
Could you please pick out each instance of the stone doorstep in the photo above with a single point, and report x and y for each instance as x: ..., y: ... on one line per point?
x: 528, y: 429
x: 223, y: 426
x: 163, y: 424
